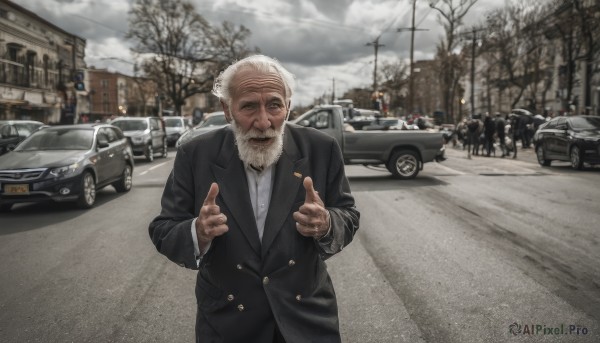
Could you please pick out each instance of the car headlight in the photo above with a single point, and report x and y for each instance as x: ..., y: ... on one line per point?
x: 65, y: 171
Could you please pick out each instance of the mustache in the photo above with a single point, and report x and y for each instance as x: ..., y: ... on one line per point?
x: 253, y: 133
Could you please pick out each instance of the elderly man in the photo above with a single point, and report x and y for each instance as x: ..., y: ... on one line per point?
x: 257, y: 207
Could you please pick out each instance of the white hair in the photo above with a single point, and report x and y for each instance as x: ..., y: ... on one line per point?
x: 222, y: 86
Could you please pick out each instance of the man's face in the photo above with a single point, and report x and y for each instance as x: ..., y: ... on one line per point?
x: 257, y: 113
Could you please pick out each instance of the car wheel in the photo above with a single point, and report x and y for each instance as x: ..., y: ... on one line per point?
x: 404, y: 164
x: 87, y: 197
x: 576, y: 160
x: 539, y: 152
x: 165, y: 149
x: 125, y: 182
x: 150, y: 153
x: 5, y: 207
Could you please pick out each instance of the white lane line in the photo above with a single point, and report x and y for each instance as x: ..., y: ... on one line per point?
x: 457, y: 172
x: 152, y: 168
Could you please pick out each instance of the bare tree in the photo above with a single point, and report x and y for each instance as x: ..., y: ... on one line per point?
x: 451, y: 14
x: 395, y: 78
x: 181, y: 51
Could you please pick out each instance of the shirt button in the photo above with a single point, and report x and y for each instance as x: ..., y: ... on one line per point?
x: 265, y: 280
x: 298, y: 297
x: 230, y: 297
x: 291, y: 263
x: 239, y: 267
x: 240, y: 307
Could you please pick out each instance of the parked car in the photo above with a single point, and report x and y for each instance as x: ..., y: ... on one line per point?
x: 175, y: 127
x: 66, y: 163
x: 12, y: 132
x: 211, y: 122
x: 147, y: 135
x: 575, y: 139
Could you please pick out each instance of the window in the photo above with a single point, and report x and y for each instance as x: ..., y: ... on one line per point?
x: 111, y: 136
x: 46, y: 81
x: 104, y: 83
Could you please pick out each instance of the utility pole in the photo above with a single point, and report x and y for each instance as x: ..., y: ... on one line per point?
x: 411, y: 84
x: 376, y: 46
x: 333, y: 92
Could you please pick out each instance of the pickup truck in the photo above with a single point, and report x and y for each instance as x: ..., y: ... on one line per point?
x: 403, y: 152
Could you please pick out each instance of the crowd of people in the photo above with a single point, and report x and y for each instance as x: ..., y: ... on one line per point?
x: 481, y: 134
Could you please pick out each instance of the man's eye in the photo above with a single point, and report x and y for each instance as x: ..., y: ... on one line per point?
x: 275, y: 105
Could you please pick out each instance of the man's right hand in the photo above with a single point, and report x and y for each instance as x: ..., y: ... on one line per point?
x: 211, y: 222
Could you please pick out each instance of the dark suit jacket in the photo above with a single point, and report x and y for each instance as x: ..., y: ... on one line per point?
x: 245, y: 286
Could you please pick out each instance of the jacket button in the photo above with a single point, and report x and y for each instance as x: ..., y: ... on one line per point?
x: 298, y: 297
x: 240, y: 307
x: 230, y: 297
x: 291, y: 263
x: 239, y: 267
x: 266, y: 280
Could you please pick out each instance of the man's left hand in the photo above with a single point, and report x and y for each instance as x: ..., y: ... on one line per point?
x: 312, y: 218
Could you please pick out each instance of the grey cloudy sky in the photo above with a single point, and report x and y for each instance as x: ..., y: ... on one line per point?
x: 317, y: 40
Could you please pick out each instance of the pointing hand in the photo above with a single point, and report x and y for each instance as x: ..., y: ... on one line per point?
x: 312, y: 218
x: 211, y: 222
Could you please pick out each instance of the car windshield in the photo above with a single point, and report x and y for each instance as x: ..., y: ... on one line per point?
x: 214, y: 120
x: 59, y: 139
x: 585, y: 123
x: 131, y: 125
x: 173, y: 122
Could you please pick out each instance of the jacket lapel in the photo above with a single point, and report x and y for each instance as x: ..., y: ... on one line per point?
x: 233, y: 189
x: 289, y: 173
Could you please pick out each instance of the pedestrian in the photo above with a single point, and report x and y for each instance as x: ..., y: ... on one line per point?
x: 500, y: 132
x: 489, y: 131
x: 257, y: 207
x: 514, y: 131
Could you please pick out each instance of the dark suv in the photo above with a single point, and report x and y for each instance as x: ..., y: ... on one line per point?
x: 66, y: 163
x: 147, y: 135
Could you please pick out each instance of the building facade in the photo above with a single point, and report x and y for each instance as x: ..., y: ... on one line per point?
x: 42, y: 68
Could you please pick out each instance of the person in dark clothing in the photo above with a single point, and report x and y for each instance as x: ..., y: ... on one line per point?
x: 500, y: 127
x: 257, y: 207
x: 489, y: 131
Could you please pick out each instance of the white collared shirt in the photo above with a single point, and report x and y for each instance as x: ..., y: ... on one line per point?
x: 259, y: 187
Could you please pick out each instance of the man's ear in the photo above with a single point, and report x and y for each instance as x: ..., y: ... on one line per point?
x: 226, y: 110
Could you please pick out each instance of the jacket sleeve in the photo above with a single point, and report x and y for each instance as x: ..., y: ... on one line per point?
x: 170, y: 231
x: 340, y: 203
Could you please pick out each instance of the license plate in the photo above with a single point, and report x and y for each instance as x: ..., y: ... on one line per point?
x: 16, y: 189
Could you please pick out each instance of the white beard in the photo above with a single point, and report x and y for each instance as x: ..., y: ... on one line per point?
x: 258, y: 156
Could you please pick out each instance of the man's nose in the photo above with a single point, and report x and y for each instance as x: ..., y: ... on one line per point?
x: 262, y: 121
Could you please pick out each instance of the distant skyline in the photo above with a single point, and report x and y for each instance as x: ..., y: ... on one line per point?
x: 316, y: 40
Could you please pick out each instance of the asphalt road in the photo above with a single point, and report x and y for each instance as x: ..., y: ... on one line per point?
x: 456, y: 255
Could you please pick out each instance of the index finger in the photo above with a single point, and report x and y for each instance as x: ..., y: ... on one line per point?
x: 212, y: 194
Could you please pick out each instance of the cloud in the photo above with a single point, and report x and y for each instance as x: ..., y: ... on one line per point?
x: 317, y: 40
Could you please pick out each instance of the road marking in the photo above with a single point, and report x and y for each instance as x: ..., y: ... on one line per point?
x: 457, y: 172
x: 152, y: 168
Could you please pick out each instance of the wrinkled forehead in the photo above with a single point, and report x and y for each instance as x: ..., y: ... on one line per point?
x: 250, y: 80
